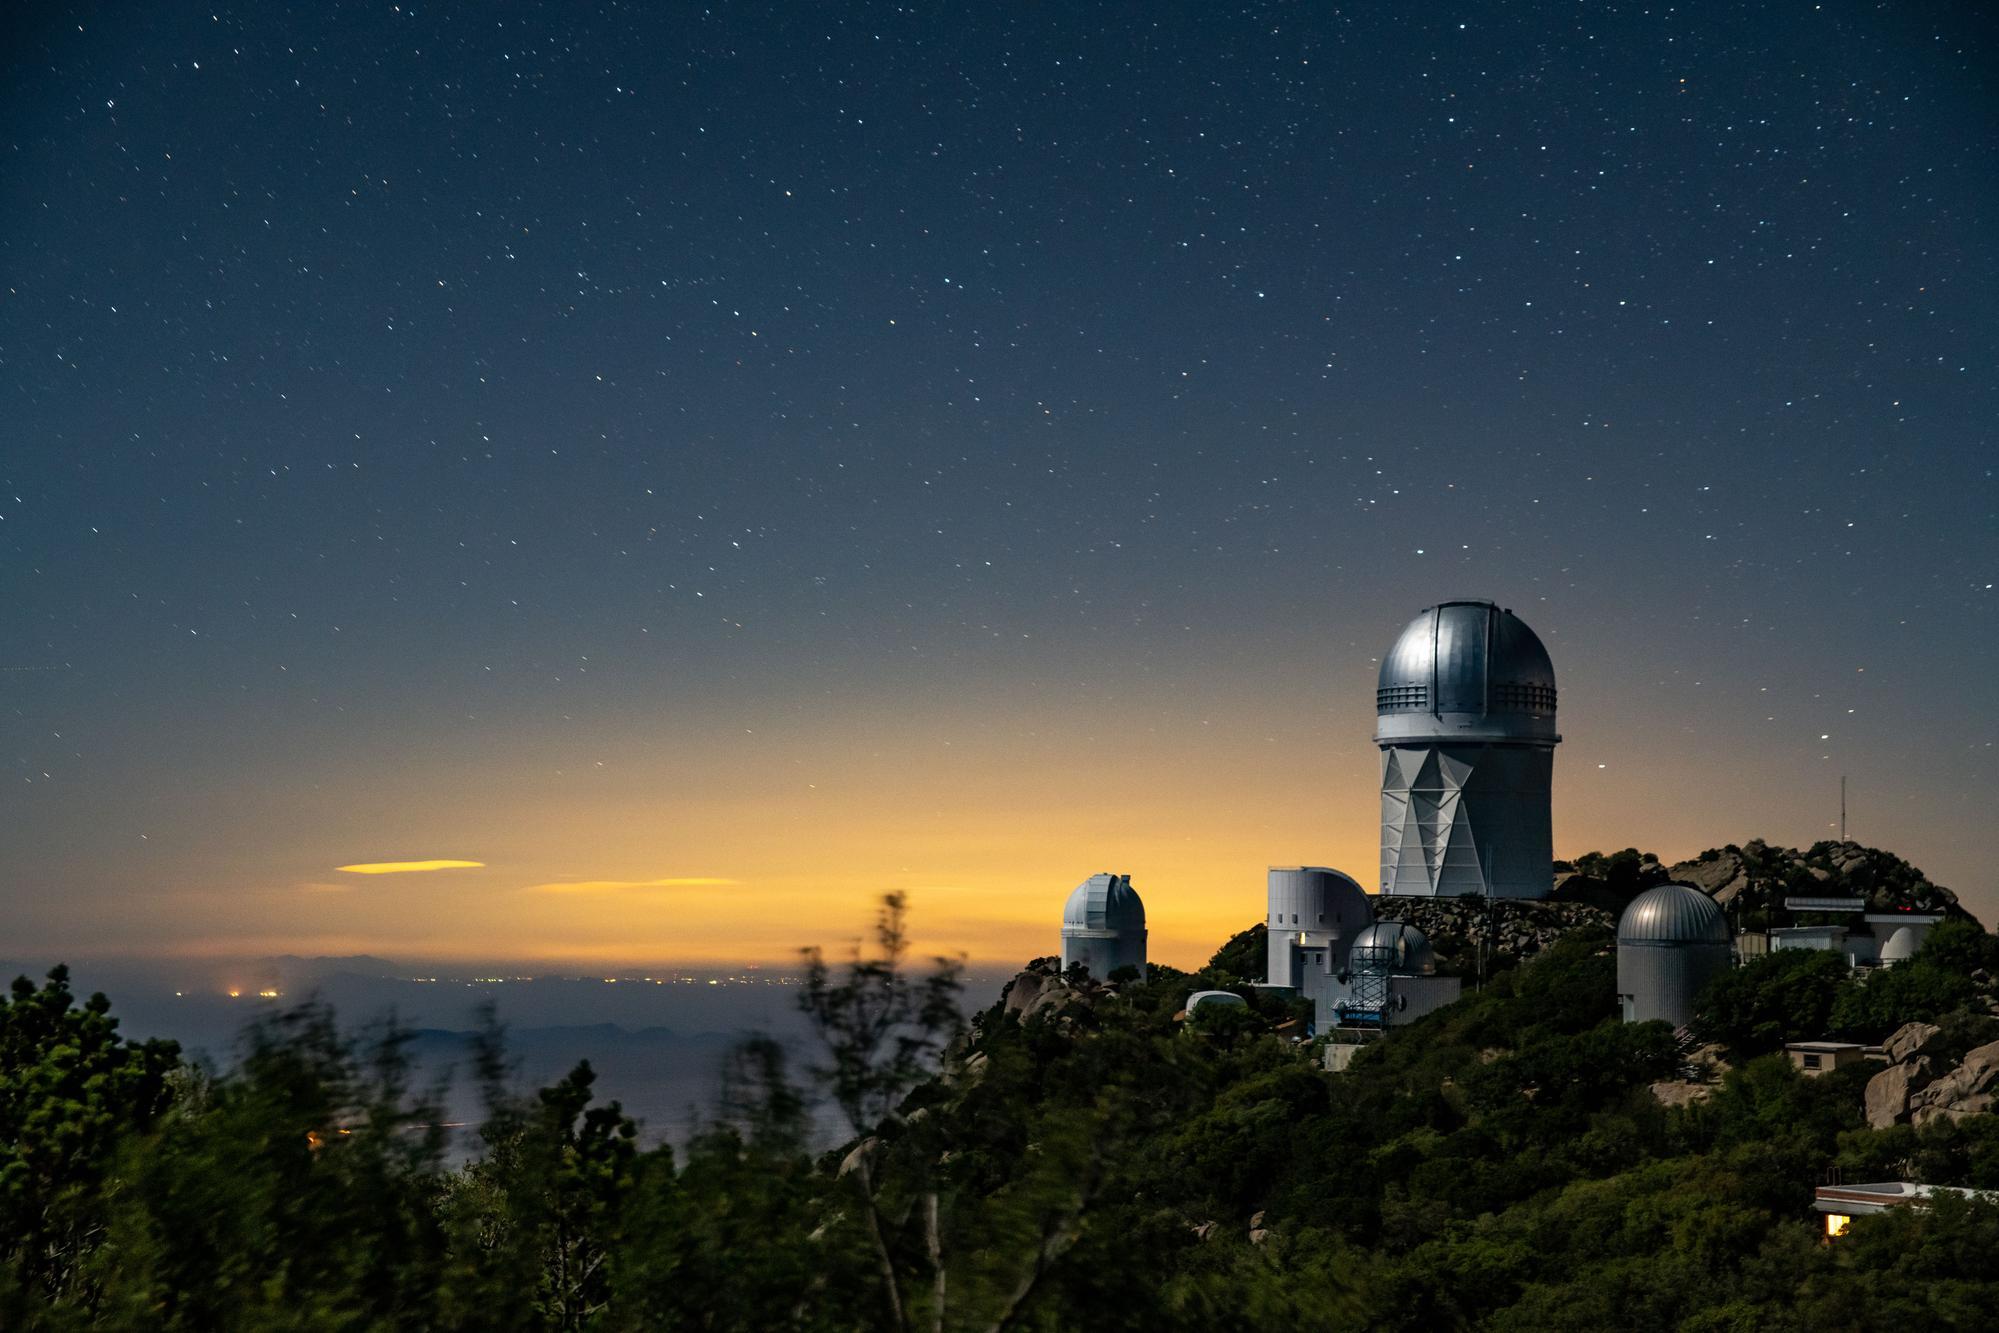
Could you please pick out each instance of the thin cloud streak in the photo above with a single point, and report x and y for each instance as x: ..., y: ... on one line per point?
x: 407, y: 867
x: 626, y: 885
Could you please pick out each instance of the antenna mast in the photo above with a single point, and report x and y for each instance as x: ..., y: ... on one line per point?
x: 1842, y: 807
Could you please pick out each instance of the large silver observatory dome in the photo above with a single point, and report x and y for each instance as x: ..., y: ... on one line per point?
x: 1466, y: 671
x: 1465, y: 718
x: 1671, y: 941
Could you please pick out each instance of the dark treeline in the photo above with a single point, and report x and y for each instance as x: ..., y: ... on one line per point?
x: 1100, y: 1163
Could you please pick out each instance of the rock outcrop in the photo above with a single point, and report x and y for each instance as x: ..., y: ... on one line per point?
x: 1722, y: 878
x: 1907, y: 1039
x: 1966, y: 1090
x: 1888, y: 1092
x: 1519, y: 929
x: 1680, y: 1092
x: 1911, y: 1091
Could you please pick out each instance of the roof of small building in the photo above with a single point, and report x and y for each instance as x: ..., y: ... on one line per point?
x: 1882, y: 1195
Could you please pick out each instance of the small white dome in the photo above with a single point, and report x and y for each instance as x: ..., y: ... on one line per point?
x: 1902, y: 944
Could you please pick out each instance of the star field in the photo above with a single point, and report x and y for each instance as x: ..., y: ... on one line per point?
x: 816, y: 449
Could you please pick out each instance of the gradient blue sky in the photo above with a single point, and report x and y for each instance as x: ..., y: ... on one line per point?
x: 831, y: 449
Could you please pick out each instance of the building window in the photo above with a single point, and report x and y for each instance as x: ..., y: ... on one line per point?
x: 1835, y: 1224
x: 1811, y: 1061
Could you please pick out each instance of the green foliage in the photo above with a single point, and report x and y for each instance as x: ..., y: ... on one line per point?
x: 1787, y: 995
x: 70, y: 1090
x: 1870, y: 1007
x: 1960, y: 947
x: 294, y: 1192
x: 1501, y: 1163
x: 1243, y: 958
x: 1626, y: 873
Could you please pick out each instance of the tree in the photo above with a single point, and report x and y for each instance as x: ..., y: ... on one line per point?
x: 538, y: 1219
x: 881, y: 1033
x: 295, y: 1191
x: 70, y: 1089
x: 1961, y: 947
x: 1783, y: 996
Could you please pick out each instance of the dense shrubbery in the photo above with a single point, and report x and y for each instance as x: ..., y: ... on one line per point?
x: 1501, y: 1164
x: 1809, y: 994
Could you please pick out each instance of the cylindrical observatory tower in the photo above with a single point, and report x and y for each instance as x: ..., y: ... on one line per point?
x: 1465, y: 718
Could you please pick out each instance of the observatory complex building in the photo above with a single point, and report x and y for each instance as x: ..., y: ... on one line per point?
x: 1325, y: 945
x: 1465, y: 718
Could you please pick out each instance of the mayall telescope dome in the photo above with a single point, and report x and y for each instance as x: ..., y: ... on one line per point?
x: 1466, y: 671
x: 1465, y: 718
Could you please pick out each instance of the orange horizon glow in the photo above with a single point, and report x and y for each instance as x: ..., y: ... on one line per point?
x: 721, y: 844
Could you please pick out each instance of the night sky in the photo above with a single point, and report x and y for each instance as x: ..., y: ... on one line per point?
x: 711, y: 465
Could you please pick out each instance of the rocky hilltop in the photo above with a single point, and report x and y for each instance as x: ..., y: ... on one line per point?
x: 1754, y: 879
x: 1751, y: 880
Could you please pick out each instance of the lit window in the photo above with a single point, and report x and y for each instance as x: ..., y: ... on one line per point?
x: 1835, y: 1224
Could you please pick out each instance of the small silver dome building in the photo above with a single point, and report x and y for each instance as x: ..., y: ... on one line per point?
x: 1394, y: 949
x: 1103, y: 926
x: 1671, y: 941
x: 1465, y: 718
x: 1315, y: 913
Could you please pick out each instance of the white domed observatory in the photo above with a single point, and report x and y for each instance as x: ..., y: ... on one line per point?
x: 1314, y: 915
x: 1465, y: 718
x: 1103, y: 927
x: 1671, y: 941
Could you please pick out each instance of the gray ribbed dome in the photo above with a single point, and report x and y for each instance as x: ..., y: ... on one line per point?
x: 1391, y: 944
x: 1673, y: 914
x: 1466, y: 670
x: 1104, y: 902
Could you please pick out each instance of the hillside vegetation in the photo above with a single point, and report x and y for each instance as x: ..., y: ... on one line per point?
x: 1080, y: 1155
